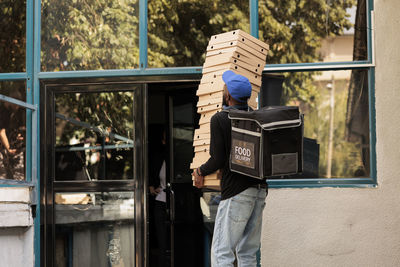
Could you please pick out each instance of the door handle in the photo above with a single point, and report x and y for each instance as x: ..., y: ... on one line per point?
x: 171, y: 203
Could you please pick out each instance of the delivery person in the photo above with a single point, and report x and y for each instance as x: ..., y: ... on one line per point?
x: 239, y: 217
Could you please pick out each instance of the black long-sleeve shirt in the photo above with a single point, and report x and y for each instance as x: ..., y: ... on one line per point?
x: 232, y: 183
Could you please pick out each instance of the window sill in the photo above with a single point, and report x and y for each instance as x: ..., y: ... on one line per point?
x: 15, y: 215
x: 318, y: 183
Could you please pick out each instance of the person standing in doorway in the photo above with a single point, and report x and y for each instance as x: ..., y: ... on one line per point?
x: 157, y: 186
x: 12, y: 139
x: 238, y: 221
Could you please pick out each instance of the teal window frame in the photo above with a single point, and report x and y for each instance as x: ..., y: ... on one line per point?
x: 32, y: 110
x: 143, y: 70
x: 32, y: 123
x: 32, y: 76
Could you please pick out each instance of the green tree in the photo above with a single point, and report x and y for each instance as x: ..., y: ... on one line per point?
x: 179, y: 31
x: 295, y: 30
x: 12, y: 36
x: 89, y: 35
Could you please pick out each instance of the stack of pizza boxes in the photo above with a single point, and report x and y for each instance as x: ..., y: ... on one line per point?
x: 243, y: 54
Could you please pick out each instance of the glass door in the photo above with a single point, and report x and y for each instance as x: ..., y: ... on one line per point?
x: 176, y: 231
x: 187, y: 231
x: 93, y: 175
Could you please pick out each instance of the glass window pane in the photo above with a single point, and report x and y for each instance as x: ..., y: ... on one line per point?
x: 89, y: 35
x: 12, y: 132
x: 12, y: 35
x: 95, y: 229
x: 336, y: 120
x: 179, y: 31
x: 94, y: 136
x: 184, y: 120
x: 14, y: 89
x: 313, y: 31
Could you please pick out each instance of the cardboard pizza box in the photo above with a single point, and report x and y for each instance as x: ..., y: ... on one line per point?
x: 249, y: 49
x: 198, y: 161
x: 201, y: 136
x: 207, y: 97
x: 254, y: 39
x: 204, y: 128
x: 217, y: 75
x: 211, y: 84
x: 254, y: 78
x: 206, y: 117
x: 248, y: 67
x: 253, y: 101
x: 212, y: 180
x: 258, y: 63
x: 235, y: 35
x: 211, y: 107
x: 209, y: 101
x: 195, y: 165
x: 255, y: 88
x: 201, y: 142
x: 221, y: 60
x: 201, y: 156
x: 231, y: 66
x: 238, y: 53
x: 244, y: 42
x: 253, y: 104
x: 213, y: 79
x: 203, y: 148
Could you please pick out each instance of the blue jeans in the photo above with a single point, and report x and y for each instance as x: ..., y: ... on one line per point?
x: 238, y: 229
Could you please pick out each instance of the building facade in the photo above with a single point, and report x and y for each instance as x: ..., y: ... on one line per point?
x: 85, y: 101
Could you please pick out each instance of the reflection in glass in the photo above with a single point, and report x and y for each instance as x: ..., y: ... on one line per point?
x: 14, y: 89
x: 316, y: 31
x: 184, y: 114
x: 12, y: 35
x: 89, y: 35
x: 179, y: 31
x: 94, y: 136
x: 94, y: 229
x: 12, y: 132
x: 336, y: 122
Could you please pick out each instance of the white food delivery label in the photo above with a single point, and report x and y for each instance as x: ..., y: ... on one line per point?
x: 243, y: 153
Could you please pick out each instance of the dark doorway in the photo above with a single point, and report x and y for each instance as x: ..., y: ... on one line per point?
x: 172, y: 108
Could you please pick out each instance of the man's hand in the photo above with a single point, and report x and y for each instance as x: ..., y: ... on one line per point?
x: 154, y: 192
x: 198, y: 179
x: 11, y: 151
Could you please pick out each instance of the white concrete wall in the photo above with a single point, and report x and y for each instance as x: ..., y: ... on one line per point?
x: 16, y: 228
x: 16, y: 247
x: 348, y: 227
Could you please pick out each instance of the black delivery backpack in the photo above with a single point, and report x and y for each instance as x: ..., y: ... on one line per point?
x: 267, y: 142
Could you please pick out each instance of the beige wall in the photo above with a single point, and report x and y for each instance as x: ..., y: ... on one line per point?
x: 348, y: 227
x: 339, y: 48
